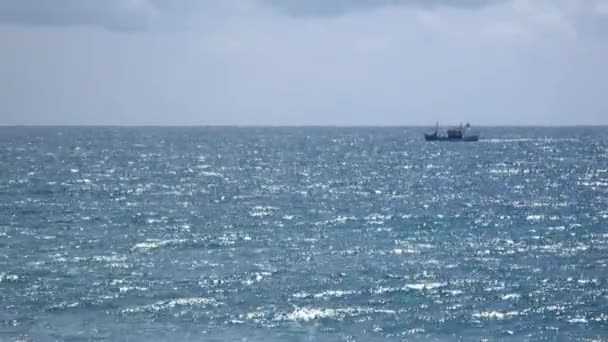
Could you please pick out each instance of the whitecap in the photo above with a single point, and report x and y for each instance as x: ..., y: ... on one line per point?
x: 511, y: 296
x: 124, y: 289
x: 497, y: 315
x: 399, y: 251
x: 156, y: 243
x: 414, y: 331
x: 172, y: 304
x: 415, y: 286
x: 535, y: 218
x: 455, y: 292
x: 261, y: 211
x: 333, y: 293
x: 211, y: 174
x: 256, y: 315
x: 497, y: 287
x: 117, y: 282
x: 382, y: 290
x: 578, y: 319
x: 377, y: 219
x: 8, y: 277
x: 556, y: 307
x: 306, y: 314
x: 109, y: 258
x: 301, y: 295
x: 257, y: 277
x: 586, y: 281
x: 64, y: 305
x: 343, y: 219
x: 425, y: 286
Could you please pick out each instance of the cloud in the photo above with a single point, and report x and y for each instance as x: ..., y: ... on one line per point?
x: 147, y: 15
x: 121, y: 15
x: 311, y: 8
x: 111, y: 14
x: 255, y: 62
x: 115, y: 15
x: 524, y: 19
x: 601, y: 8
x: 128, y: 15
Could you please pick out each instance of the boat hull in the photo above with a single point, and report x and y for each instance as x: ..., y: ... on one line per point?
x: 432, y: 137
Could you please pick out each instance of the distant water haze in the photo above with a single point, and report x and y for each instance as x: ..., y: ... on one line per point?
x: 265, y: 62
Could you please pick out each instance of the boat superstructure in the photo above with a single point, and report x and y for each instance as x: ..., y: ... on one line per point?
x: 459, y: 133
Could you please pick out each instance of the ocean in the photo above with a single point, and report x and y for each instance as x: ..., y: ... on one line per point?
x: 302, y: 234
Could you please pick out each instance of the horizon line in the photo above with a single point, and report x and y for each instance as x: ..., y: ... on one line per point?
x: 290, y: 126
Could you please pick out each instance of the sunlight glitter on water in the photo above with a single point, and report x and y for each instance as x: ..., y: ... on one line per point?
x: 296, y: 233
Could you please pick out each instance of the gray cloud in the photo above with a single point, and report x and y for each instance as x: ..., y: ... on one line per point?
x: 140, y: 15
x: 118, y: 15
x: 306, y: 8
x: 111, y: 14
x: 252, y: 62
x: 127, y: 15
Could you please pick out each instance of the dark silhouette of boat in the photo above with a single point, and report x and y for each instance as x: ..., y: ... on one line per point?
x: 459, y: 133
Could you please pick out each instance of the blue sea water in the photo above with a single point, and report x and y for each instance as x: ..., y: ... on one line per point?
x: 299, y: 234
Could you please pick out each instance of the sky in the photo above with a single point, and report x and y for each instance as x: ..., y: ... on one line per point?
x: 303, y: 62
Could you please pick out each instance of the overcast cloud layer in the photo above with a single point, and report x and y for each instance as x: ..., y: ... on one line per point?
x: 313, y: 62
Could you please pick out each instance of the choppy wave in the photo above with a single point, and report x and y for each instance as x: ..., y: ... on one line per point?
x: 173, y: 304
x: 302, y: 234
x: 306, y: 314
x: 157, y: 243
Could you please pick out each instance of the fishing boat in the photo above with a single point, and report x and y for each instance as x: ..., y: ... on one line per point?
x: 459, y: 133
